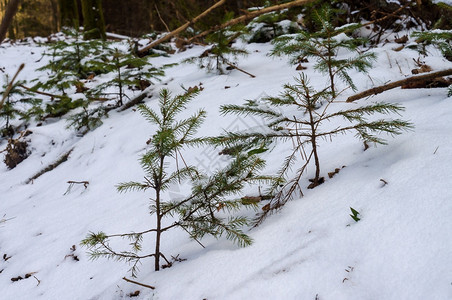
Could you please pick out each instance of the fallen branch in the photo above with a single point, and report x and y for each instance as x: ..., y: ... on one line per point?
x: 42, y: 93
x: 138, y: 283
x: 57, y: 96
x: 138, y: 99
x: 241, y: 70
x: 50, y: 167
x: 251, y: 15
x: 72, y: 183
x: 180, y: 29
x: 10, y: 85
x: 382, y: 88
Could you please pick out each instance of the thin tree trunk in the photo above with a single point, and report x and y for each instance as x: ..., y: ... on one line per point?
x: 10, y: 12
x: 93, y: 19
x: 314, y: 147
x: 54, y: 6
x: 158, y: 231
x: 68, y: 13
x: 118, y: 68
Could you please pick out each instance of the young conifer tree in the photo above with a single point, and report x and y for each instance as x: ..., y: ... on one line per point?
x: 70, y: 56
x: 19, y: 103
x: 205, y: 209
x: 128, y: 70
x: 222, y: 54
x: 299, y: 114
x: 324, y: 45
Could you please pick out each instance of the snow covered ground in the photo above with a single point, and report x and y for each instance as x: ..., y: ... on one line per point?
x: 312, y: 249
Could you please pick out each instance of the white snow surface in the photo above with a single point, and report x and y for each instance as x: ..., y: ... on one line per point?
x: 311, y: 249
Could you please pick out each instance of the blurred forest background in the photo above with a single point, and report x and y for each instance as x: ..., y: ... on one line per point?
x: 137, y: 17
x: 131, y: 17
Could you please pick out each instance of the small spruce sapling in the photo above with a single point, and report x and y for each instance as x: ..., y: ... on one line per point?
x: 66, y: 69
x: 221, y: 52
x: 128, y: 70
x: 324, y: 46
x: 19, y: 103
x: 205, y: 210
x: 299, y: 115
x: 89, y: 118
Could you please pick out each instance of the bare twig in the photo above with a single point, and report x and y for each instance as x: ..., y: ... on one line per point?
x: 160, y: 17
x: 138, y: 99
x: 138, y: 283
x: 10, y: 85
x: 241, y: 70
x: 85, y: 183
x: 436, y: 150
x: 39, y: 281
x: 191, y: 235
x: 51, y: 166
x: 382, y: 88
x: 71, y: 184
x: 3, y: 220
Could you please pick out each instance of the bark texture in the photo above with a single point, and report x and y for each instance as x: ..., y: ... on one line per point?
x: 409, y: 80
x: 93, y: 19
x: 11, y: 10
x: 68, y: 13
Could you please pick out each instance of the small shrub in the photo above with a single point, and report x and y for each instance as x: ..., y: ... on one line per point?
x: 205, y: 210
x: 128, y: 70
x: 324, y: 45
x: 70, y: 55
x: 19, y: 103
x: 304, y: 126
x: 442, y: 39
x: 88, y: 118
x: 222, y: 54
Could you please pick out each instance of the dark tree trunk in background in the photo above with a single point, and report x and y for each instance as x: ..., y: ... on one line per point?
x: 11, y: 10
x: 93, y: 19
x: 68, y: 13
x: 131, y: 17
